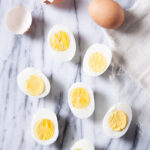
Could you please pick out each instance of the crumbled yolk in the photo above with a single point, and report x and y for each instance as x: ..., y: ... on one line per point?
x: 79, y: 97
x: 44, y: 129
x: 59, y: 41
x: 97, y: 62
x: 78, y: 149
x: 34, y: 85
x: 118, y: 120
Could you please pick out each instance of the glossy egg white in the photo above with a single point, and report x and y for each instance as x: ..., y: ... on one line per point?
x: 45, y: 114
x: 25, y: 74
x: 106, y: 51
x: 68, y: 54
x: 85, y: 112
x: 123, y: 106
x: 83, y: 144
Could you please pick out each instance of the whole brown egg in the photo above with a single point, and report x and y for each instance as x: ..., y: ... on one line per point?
x: 106, y: 13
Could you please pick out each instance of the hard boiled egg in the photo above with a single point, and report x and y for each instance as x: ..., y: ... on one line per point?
x: 83, y: 145
x: 81, y: 100
x: 19, y: 20
x: 33, y: 83
x: 97, y: 59
x: 61, y: 43
x: 117, y: 120
x: 45, y: 127
x: 106, y: 13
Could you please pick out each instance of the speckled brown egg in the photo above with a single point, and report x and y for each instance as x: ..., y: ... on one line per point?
x: 106, y: 13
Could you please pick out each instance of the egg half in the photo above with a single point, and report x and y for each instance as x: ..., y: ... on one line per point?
x: 97, y: 59
x: 61, y: 43
x: 33, y: 83
x: 117, y: 120
x: 83, y: 144
x: 81, y: 100
x: 45, y: 127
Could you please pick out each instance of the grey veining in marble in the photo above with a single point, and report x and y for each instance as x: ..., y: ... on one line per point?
x: 18, y: 52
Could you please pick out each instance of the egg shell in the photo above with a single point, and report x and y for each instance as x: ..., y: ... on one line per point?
x: 43, y: 113
x: 123, y: 106
x: 19, y: 20
x: 83, y: 144
x: 49, y: 1
x: 25, y: 74
x: 106, y: 13
x: 68, y: 54
x: 106, y: 51
x: 85, y: 112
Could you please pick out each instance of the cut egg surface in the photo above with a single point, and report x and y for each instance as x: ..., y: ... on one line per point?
x: 19, y: 20
x: 117, y: 120
x: 62, y: 43
x: 33, y: 83
x: 83, y: 144
x: 45, y: 127
x: 97, y: 59
x: 81, y: 100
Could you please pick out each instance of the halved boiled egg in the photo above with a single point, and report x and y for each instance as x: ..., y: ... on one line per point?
x: 97, y: 59
x: 19, y: 20
x: 81, y: 100
x: 33, y: 83
x: 61, y: 43
x: 45, y: 127
x: 117, y: 120
x: 83, y: 144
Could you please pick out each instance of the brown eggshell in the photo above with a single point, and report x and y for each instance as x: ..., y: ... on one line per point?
x: 48, y: 2
x: 106, y: 13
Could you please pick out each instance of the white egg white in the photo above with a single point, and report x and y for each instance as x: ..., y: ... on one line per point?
x: 123, y: 106
x: 85, y: 112
x: 19, y: 20
x: 83, y: 144
x: 106, y: 51
x: 68, y: 54
x: 45, y: 114
x: 25, y: 74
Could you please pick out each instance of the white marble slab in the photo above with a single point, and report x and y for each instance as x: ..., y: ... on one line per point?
x: 18, y: 52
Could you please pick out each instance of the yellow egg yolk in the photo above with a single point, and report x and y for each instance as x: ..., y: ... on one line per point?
x: 34, y: 85
x: 79, y: 98
x: 78, y: 149
x: 59, y: 41
x: 118, y: 120
x: 44, y: 129
x: 97, y: 62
